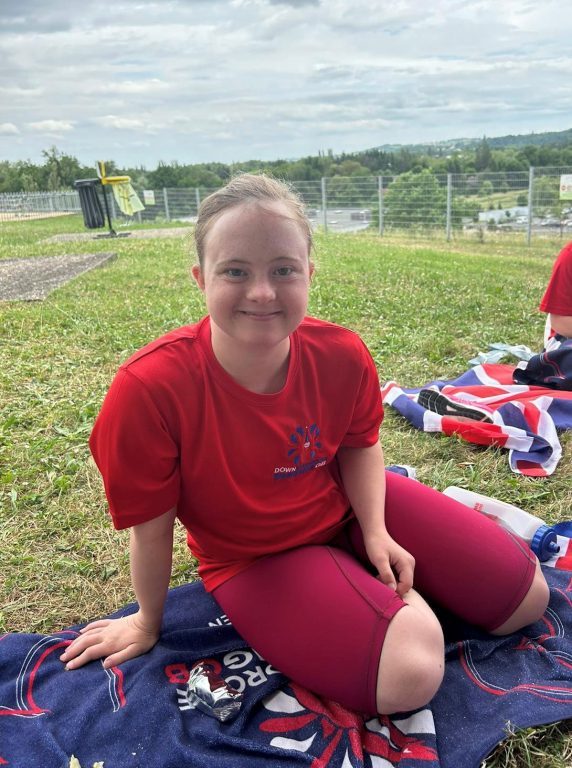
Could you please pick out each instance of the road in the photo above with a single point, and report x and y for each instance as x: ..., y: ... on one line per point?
x: 338, y: 219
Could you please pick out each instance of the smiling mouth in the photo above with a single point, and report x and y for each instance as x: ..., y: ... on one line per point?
x: 259, y: 315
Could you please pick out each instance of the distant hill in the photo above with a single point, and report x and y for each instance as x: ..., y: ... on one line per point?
x: 550, y: 138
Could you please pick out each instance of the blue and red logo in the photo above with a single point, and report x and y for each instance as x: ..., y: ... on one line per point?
x: 304, y: 451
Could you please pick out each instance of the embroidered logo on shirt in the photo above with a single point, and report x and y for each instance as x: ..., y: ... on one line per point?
x: 303, y: 451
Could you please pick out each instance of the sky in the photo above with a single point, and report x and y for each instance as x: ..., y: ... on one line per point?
x: 140, y: 82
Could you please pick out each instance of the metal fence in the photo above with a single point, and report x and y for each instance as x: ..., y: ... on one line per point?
x: 449, y: 205
x: 37, y: 205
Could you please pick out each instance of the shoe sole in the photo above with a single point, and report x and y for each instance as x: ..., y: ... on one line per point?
x: 444, y: 406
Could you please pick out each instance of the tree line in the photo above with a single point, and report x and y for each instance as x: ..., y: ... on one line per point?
x: 59, y: 170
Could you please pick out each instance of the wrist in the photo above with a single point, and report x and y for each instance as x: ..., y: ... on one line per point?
x: 149, y: 621
x: 376, y: 534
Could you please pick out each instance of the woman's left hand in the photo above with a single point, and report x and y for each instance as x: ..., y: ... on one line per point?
x: 394, y: 564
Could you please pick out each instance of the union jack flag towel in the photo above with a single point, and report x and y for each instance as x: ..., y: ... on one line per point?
x: 139, y: 715
x: 523, y: 418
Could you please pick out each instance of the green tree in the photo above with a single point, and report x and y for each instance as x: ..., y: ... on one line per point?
x: 28, y: 182
x: 350, y: 168
x: 415, y: 200
x: 199, y: 176
x: 21, y: 176
x: 454, y: 164
x: 60, y: 171
x: 347, y: 191
x: 463, y: 209
x: 165, y: 176
x: 483, y: 156
x: 546, y: 196
x: 486, y: 188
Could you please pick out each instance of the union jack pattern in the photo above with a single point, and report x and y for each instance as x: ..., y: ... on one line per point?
x: 525, y: 418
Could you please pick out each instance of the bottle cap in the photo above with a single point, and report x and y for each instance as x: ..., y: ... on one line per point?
x: 544, y: 543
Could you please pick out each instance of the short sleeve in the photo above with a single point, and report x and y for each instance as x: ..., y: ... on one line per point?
x: 136, y: 453
x: 368, y: 409
x: 557, y: 298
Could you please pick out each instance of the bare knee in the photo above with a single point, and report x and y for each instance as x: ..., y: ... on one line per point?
x: 412, y: 660
x: 531, y: 609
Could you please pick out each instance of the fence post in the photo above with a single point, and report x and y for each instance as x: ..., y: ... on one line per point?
x: 449, y: 195
x: 529, y: 224
x: 198, y: 198
x: 324, y: 205
x: 166, y: 204
x: 380, y: 203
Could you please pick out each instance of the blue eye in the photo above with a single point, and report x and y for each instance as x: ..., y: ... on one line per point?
x: 284, y: 271
x: 234, y: 272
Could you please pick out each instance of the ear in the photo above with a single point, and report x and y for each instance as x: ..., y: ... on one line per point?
x: 197, y: 274
x: 312, y: 269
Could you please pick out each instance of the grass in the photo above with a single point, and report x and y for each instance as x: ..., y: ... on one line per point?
x: 424, y: 308
x: 505, y: 199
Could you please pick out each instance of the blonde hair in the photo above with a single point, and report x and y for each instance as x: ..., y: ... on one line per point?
x: 249, y: 188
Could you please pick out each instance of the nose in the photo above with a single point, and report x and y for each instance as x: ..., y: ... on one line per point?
x: 261, y: 290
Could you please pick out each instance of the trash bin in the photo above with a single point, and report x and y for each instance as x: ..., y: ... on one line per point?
x: 93, y: 216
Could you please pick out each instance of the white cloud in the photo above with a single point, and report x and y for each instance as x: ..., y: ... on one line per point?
x: 121, y: 123
x: 7, y: 129
x: 241, y: 79
x: 146, y: 87
x: 51, y: 126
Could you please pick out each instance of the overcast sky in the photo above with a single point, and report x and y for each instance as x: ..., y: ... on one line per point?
x: 195, y: 81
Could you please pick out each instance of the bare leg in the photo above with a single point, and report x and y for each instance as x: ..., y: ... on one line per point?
x: 412, y: 661
x: 532, y: 607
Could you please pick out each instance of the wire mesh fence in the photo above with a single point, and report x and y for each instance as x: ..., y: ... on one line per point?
x: 36, y: 205
x: 533, y: 203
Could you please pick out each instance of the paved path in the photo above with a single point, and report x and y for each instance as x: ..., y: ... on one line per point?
x: 34, y: 279
x: 136, y: 234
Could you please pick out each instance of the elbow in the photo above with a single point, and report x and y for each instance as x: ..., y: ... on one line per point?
x: 562, y: 324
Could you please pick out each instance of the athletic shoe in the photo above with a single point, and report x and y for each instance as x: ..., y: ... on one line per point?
x: 447, y: 406
x: 403, y: 469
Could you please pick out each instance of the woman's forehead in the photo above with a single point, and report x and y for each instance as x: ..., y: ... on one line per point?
x: 252, y: 221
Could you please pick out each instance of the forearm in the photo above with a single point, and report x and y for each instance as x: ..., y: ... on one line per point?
x: 116, y: 640
x: 562, y: 324
x: 363, y: 475
x: 151, y: 557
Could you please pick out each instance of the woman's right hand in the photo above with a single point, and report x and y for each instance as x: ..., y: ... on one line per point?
x: 113, y: 640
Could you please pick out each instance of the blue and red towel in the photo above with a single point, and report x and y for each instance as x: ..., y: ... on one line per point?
x: 139, y: 716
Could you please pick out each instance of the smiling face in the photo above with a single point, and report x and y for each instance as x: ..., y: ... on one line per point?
x: 255, y: 276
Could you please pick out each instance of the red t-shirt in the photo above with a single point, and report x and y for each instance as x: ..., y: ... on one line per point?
x: 557, y: 298
x: 250, y: 474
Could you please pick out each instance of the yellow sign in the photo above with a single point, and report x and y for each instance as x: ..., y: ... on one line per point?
x: 126, y: 198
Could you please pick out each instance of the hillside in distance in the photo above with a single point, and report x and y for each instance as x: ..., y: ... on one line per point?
x: 549, y: 138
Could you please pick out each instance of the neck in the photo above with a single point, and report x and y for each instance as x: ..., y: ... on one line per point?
x: 257, y: 369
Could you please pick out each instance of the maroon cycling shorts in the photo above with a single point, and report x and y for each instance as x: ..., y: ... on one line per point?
x: 319, y: 614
